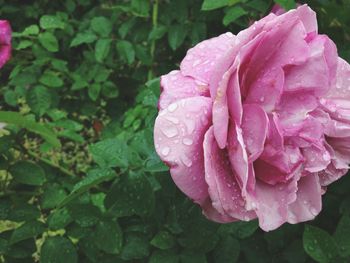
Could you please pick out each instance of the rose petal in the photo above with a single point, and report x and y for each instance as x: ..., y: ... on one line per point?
x: 175, y: 86
x: 308, y: 203
x: 224, y: 190
x: 255, y: 128
x: 178, y: 133
x: 201, y: 60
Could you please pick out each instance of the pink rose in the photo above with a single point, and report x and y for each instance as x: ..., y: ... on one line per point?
x: 258, y: 124
x: 5, y: 42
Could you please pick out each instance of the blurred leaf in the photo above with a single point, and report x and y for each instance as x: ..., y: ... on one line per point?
x: 318, y: 244
x: 102, y: 48
x: 176, y: 35
x: 214, y: 4
x: 227, y: 250
x: 342, y: 235
x: 58, y: 250
x: 26, y: 172
x: 232, y: 14
x: 110, y: 153
x: 39, y: 99
x: 51, y: 22
x: 93, y: 178
x: 108, y: 237
x: 163, y: 240
x: 132, y: 195
x: 48, y: 41
x: 126, y: 51
x: 23, y: 122
x: 83, y: 38
x: 101, y: 25
x: 27, y: 230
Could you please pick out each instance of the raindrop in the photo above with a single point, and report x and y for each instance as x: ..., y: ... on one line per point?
x: 172, y: 107
x: 190, y: 125
x: 187, y: 141
x: 186, y: 161
x: 165, y: 151
x: 170, y: 131
x: 326, y: 156
x: 196, y: 62
x: 313, y: 211
x: 173, y: 119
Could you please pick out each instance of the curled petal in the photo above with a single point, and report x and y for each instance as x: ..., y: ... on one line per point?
x: 224, y: 190
x: 175, y: 86
x: 179, y: 133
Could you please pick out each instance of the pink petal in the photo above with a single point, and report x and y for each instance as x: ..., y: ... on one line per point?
x: 211, y: 213
x: 5, y: 42
x: 255, y: 128
x: 202, y: 60
x: 308, y: 17
x: 308, y: 203
x: 175, y: 86
x: 224, y: 190
x: 294, y: 108
x: 272, y: 202
x: 178, y: 135
x: 267, y: 89
x: 317, y: 158
x: 317, y: 74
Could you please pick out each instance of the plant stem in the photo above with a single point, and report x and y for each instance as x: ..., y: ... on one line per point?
x: 48, y: 162
x: 153, y: 43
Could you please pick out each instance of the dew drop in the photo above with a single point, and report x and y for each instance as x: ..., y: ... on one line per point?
x: 187, y: 141
x: 173, y: 119
x: 170, y: 131
x: 313, y: 211
x: 172, y: 107
x: 190, y: 125
x: 165, y: 151
x: 186, y: 161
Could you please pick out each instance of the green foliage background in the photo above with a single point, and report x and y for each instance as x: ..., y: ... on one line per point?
x: 79, y: 178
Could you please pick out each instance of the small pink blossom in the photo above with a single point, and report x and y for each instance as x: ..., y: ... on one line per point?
x: 5, y: 42
x: 256, y: 125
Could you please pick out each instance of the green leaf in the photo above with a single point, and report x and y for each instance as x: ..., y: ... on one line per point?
x: 31, y: 30
x: 132, y: 195
x: 214, y: 4
x: 101, y: 25
x: 24, y: 44
x: 58, y: 250
x: 136, y: 247
x: 102, y: 48
x: 108, y: 237
x: 233, y: 14
x: 126, y: 51
x: 318, y: 244
x: 189, y: 256
x: 227, y: 250
x: 140, y: 7
x: 51, y: 79
x: 59, y: 219
x: 342, y: 236
x: 52, y: 196
x: 164, y: 256
x: 163, y: 240
x: 51, y: 22
x: 83, y: 38
x: 110, y: 153
x: 94, y: 91
x: 176, y: 35
x: 39, y: 99
x: 85, y: 215
x: 286, y: 4
x: 48, y: 41
x: 29, y: 173
x: 157, y: 32
x: 21, y: 121
x: 93, y: 178
x: 27, y: 230
x: 24, y: 212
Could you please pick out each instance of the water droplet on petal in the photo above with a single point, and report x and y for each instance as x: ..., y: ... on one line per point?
x: 172, y: 107
x: 313, y: 211
x: 173, y: 119
x: 187, y: 141
x: 186, y: 161
x: 165, y: 151
x: 170, y: 131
